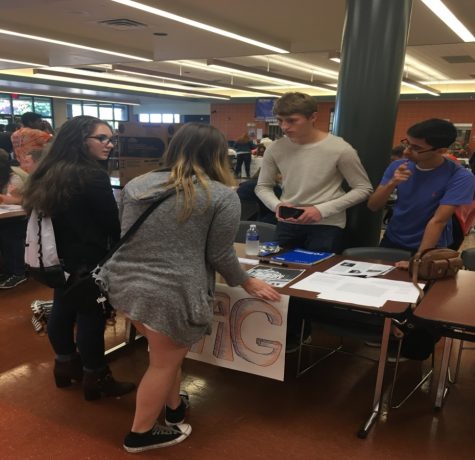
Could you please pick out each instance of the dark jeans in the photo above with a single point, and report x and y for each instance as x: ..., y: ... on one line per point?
x: 89, y: 332
x: 12, y: 245
x: 311, y: 237
x: 246, y: 159
x: 326, y: 238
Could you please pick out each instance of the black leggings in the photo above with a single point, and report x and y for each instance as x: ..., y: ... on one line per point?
x: 246, y: 159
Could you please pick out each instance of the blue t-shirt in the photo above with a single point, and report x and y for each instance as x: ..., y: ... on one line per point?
x: 419, y: 197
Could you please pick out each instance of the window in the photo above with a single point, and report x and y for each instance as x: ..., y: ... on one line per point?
x: 90, y: 109
x: 159, y: 117
x: 112, y: 113
x: 22, y: 104
x: 106, y: 112
x: 13, y: 106
x: 155, y: 118
x: 76, y: 110
x: 121, y: 112
x: 5, y: 104
x: 43, y: 106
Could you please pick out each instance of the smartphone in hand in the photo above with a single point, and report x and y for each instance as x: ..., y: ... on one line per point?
x: 287, y: 212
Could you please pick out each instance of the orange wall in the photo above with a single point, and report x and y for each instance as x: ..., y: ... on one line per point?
x: 231, y: 119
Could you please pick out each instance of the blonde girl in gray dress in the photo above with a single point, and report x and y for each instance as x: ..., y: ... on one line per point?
x: 163, y: 278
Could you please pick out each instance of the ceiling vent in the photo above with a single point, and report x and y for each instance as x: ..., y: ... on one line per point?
x: 122, y: 24
x: 465, y: 59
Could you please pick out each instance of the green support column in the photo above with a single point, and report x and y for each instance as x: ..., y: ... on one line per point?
x: 372, y: 63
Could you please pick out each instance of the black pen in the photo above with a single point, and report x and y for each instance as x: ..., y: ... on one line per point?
x: 273, y: 262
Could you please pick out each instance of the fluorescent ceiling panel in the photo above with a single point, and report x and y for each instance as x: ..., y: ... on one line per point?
x: 199, y: 25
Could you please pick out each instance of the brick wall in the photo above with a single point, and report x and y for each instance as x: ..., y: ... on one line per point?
x: 231, y: 119
x: 411, y: 112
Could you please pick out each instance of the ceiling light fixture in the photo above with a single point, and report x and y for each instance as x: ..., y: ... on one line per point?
x: 420, y: 70
x: 334, y: 56
x: 446, y: 16
x: 95, y: 79
x: 73, y: 45
x: 420, y: 86
x: 269, y: 76
x: 199, y: 25
x: 295, y: 64
x: 225, y: 71
x: 196, y: 81
x: 12, y: 61
x: 71, y: 97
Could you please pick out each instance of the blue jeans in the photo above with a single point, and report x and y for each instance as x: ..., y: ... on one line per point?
x: 89, y: 332
x: 311, y: 237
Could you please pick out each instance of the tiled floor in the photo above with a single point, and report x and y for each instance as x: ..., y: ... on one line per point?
x: 234, y: 415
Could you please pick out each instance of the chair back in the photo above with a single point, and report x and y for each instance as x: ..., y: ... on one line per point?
x: 386, y: 254
x: 249, y: 210
x: 266, y: 231
x: 468, y: 257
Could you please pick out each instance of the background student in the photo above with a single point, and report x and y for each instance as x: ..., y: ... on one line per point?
x: 429, y: 189
x: 34, y: 134
x: 243, y: 147
x: 12, y: 230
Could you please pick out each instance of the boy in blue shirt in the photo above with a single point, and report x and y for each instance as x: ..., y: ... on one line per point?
x: 429, y: 189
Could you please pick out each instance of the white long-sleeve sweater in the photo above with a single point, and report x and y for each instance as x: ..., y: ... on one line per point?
x: 313, y: 174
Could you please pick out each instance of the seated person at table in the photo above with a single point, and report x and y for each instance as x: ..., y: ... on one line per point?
x: 429, y: 189
x: 33, y: 135
x: 12, y: 230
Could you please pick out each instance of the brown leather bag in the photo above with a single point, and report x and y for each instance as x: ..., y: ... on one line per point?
x: 433, y: 264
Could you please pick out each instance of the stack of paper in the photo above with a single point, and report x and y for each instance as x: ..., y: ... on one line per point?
x: 370, y: 292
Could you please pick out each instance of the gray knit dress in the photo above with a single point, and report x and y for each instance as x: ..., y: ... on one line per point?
x: 164, y: 275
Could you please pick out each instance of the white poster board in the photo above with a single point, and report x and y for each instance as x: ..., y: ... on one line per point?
x: 248, y: 334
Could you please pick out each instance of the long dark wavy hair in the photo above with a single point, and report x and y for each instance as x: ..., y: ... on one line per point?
x: 64, y: 170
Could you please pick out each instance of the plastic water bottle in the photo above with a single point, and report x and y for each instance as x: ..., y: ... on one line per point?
x: 252, y: 241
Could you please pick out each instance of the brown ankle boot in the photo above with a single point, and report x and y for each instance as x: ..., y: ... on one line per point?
x: 65, y: 372
x: 98, y: 383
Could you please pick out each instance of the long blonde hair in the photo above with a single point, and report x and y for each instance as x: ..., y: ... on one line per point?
x: 197, y: 153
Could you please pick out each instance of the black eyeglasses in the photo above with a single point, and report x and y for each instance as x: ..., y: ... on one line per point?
x: 414, y: 148
x: 103, y: 139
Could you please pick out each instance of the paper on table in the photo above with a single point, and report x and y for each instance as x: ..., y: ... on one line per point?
x: 275, y: 276
x: 358, y: 291
x: 356, y: 268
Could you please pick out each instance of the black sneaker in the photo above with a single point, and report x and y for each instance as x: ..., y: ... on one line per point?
x: 158, y: 436
x: 176, y: 416
x: 12, y: 281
